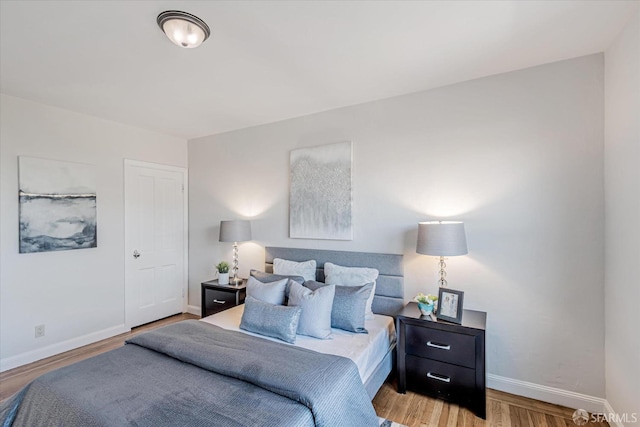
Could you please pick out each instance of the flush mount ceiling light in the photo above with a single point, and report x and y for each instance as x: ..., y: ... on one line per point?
x: 183, y: 29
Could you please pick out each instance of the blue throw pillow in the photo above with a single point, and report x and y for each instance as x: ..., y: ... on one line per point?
x: 315, y: 319
x: 349, y: 305
x: 276, y: 321
x: 272, y: 292
x: 269, y: 277
x: 352, y: 276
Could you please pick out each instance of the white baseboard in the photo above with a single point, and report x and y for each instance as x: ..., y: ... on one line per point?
x: 194, y: 309
x: 609, y: 410
x: 57, y: 348
x: 548, y: 394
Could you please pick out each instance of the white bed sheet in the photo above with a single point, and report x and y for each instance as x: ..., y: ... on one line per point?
x: 366, y: 350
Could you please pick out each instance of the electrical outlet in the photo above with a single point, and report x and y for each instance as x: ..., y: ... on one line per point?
x: 39, y: 331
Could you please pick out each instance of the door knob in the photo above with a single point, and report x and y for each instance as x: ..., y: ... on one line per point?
x: 136, y: 254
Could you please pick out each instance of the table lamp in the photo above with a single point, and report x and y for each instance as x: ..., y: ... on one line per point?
x: 441, y: 239
x: 235, y: 231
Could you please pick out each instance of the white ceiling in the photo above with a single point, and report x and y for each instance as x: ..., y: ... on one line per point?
x: 271, y: 60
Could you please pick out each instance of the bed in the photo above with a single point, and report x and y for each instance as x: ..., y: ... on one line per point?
x: 195, y: 373
x: 388, y: 299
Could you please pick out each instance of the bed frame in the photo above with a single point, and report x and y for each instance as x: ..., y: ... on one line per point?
x: 389, y: 295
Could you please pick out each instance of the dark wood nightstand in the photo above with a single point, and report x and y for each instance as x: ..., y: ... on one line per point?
x: 442, y: 359
x: 216, y: 297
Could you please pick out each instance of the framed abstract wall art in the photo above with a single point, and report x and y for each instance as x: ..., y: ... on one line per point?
x: 320, y: 193
x: 57, y: 205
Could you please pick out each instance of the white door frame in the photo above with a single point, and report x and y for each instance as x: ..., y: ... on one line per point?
x: 185, y: 240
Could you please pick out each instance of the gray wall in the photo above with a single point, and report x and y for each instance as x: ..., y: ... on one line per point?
x: 517, y: 156
x: 622, y: 186
x: 78, y: 295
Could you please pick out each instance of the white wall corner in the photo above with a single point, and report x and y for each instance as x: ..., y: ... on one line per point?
x: 548, y: 394
x: 608, y: 409
x: 194, y: 309
x: 57, y: 348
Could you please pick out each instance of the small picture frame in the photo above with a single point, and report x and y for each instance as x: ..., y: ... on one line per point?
x: 450, y: 305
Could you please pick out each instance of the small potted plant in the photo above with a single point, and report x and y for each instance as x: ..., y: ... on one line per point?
x: 426, y: 303
x: 223, y: 272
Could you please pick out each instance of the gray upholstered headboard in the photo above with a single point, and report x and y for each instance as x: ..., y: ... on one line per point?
x: 389, y: 296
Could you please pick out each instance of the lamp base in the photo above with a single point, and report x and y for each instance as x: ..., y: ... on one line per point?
x: 442, y: 282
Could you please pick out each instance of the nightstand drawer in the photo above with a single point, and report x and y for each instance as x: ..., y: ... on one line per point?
x: 217, y: 301
x: 215, y: 297
x: 449, y: 347
x: 439, y: 379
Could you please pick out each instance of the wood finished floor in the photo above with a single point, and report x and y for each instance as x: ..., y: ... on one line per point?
x: 411, y: 409
x: 13, y: 380
x: 503, y: 410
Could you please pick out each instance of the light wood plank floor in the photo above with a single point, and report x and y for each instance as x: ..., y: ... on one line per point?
x: 13, y: 380
x: 503, y: 410
x: 411, y: 409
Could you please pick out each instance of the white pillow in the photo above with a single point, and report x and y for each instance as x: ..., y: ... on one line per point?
x: 315, y: 319
x: 352, y: 276
x: 306, y: 269
x: 272, y: 292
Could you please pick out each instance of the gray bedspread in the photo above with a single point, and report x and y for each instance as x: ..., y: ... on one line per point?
x: 196, y: 374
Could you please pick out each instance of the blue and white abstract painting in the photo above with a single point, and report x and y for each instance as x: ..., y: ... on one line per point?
x: 57, y: 205
x: 320, y: 197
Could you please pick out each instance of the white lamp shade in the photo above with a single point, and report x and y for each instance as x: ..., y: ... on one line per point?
x: 441, y: 238
x: 235, y: 231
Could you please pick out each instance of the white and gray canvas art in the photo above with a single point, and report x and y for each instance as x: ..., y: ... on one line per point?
x: 57, y: 205
x: 320, y: 197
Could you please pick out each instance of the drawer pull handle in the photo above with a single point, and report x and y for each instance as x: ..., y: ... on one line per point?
x: 219, y: 302
x: 440, y: 346
x: 438, y: 377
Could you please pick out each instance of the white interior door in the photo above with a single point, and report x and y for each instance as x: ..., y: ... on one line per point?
x: 155, y: 242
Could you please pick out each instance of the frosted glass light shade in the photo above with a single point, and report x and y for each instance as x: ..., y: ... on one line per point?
x: 441, y: 238
x: 235, y: 231
x: 183, y: 29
